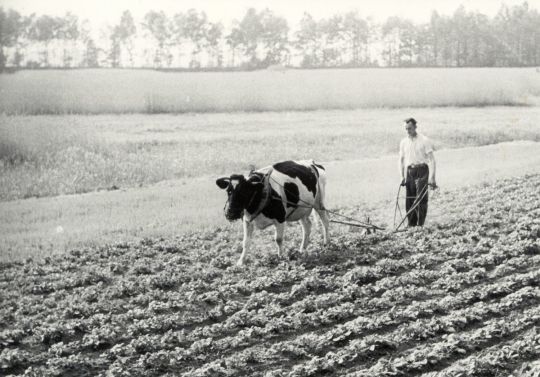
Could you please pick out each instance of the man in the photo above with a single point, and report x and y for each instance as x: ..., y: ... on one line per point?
x: 417, y: 169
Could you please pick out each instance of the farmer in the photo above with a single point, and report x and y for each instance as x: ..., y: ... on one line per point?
x: 417, y: 169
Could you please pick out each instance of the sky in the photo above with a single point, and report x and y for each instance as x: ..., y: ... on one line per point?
x: 100, y: 12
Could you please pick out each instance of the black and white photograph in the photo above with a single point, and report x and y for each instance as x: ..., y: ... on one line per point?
x: 287, y: 188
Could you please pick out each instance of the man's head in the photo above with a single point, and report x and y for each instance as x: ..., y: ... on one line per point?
x: 240, y: 192
x: 410, y: 126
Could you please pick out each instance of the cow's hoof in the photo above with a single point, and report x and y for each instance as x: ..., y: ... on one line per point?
x: 293, y: 255
x: 304, y: 252
x: 240, y: 263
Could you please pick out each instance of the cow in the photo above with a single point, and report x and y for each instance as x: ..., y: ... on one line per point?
x: 284, y: 192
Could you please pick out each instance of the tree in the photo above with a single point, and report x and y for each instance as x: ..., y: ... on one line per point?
x: 532, y: 40
x: 44, y: 30
x: 120, y: 36
x: 159, y: 29
x: 308, y: 41
x: 447, y: 38
x: 460, y: 34
x: 22, y: 40
x: 178, y: 34
x: 436, y: 38
x: 333, y: 41
x: 115, y: 49
x: 482, y: 41
x: 68, y: 33
x: 518, y: 36
x: 195, y: 25
x: 399, y: 42
x: 423, y: 45
x: 125, y: 32
x: 247, y: 35
x: 533, y: 33
x: 213, y: 36
x: 262, y: 37
x: 11, y: 26
x: 235, y: 41
x: 356, y: 35
x: 90, y: 55
x: 274, y: 38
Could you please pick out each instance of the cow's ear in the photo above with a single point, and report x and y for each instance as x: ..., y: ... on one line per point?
x: 253, y: 178
x: 238, y: 177
x: 223, y: 182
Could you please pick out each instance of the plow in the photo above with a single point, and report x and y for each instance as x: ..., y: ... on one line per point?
x: 397, y: 209
x: 354, y: 222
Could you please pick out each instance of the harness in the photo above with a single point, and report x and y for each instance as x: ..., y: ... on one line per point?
x: 317, y: 192
x: 266, y: 197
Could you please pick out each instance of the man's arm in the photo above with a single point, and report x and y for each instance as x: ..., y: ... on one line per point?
x: 401, y: 161
x: 432, y: 169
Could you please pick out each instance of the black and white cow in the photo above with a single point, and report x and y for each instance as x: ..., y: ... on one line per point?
x: 285, y: 191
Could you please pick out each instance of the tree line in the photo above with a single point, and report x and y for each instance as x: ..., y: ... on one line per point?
x: 261, y: 39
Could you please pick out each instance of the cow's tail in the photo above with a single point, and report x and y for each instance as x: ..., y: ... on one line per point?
x: 320, y: 202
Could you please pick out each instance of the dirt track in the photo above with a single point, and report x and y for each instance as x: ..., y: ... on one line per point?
x: 378, y: 179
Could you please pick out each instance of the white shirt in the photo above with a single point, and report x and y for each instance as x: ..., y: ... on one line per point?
x: 415, y: 150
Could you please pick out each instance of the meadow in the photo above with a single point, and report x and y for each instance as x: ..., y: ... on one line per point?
x: 142, y: 91
x: 70, y: 154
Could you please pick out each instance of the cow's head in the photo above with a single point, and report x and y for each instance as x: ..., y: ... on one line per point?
x: 242, y: 194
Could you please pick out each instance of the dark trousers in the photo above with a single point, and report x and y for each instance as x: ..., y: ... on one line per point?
x: 417, y: 185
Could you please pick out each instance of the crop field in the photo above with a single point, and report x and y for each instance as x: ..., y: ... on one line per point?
x: 141, y: 91
x: 458, y: 298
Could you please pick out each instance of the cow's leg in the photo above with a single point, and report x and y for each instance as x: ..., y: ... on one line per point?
x: 306, y: 230
x: 325, y: 222
x: 280, y: 229
x: 248, y: 232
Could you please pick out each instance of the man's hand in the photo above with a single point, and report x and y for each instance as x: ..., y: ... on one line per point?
x: 403, y: 181
x: 432, y: 183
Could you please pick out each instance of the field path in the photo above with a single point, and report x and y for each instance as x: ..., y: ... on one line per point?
x: 52, y: 225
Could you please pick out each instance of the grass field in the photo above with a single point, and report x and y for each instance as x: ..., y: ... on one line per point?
x: 142, y: 91
x: 459, y: 298
x: 53, y: 155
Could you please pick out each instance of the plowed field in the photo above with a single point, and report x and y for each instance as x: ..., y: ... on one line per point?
x: 460, y: 297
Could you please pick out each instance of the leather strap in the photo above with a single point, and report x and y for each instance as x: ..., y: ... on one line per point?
x: 266, y: 196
